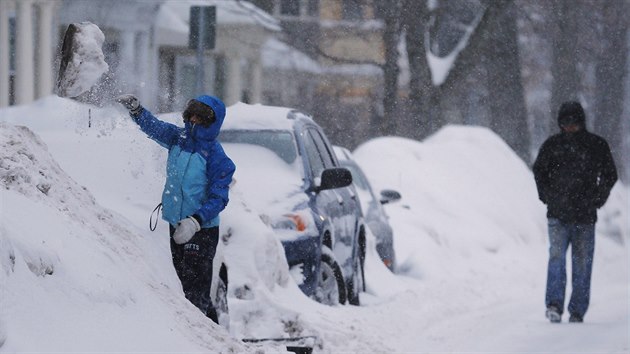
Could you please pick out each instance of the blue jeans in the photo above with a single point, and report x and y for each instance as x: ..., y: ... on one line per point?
x: 581, y: 237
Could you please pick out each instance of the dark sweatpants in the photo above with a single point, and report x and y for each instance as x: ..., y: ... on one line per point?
x: 193, y: 264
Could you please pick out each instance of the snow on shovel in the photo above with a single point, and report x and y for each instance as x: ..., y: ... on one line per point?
x: 82, y: 59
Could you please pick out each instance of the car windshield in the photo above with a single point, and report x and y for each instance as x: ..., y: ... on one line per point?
x: 278, y: 141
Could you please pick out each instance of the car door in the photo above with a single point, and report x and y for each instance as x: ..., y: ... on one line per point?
x: 327, y: 202
x: 343, y: 215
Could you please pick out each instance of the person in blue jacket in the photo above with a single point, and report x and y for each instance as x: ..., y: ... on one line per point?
x: 198, y: 176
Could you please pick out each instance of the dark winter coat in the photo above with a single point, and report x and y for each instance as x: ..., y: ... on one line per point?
x: 574, y: 174
x: 198, y: 172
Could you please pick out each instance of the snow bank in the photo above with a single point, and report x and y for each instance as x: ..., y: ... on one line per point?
x: 462, y: 198
x: 78, y: 277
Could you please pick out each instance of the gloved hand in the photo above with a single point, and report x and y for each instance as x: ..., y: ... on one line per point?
x: 130, y: 102
x: 186, y: 229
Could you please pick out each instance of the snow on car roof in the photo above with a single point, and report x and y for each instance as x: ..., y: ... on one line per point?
x: 257, y: 117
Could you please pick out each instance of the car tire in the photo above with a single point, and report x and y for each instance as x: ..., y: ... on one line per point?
x: 331, y: 287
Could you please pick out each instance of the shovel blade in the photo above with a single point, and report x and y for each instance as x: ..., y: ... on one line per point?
x: 81, y: 61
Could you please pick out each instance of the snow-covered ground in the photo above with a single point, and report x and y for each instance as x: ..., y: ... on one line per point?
x: 81, y: 272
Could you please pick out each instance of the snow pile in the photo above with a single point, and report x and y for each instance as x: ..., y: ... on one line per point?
x: 86, y: 62
x: 69, y: 264
x: 484, y: 214
x: 260, y: 285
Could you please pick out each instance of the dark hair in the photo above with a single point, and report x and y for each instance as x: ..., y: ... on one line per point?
x: 201, y: 110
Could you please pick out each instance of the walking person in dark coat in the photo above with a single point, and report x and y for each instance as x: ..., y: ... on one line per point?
x: 574, y: 174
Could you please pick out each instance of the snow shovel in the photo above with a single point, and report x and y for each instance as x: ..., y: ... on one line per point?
x: 82, y: 62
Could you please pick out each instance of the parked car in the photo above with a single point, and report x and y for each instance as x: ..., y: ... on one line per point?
x: 287, y: 170
x: 372, y: 208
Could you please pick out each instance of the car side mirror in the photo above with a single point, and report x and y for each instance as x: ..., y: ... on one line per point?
x: 334, y: 178
x: 388, y: 196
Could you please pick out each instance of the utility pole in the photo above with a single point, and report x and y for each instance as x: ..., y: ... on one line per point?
x: 201, y: 37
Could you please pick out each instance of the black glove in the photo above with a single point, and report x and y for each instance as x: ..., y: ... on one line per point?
x: 130, y: 102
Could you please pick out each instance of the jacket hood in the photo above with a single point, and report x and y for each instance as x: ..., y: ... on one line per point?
x: 211, y: 132
x: 571, y: 113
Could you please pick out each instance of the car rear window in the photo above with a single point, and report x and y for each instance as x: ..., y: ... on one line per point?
x: 280, y: 142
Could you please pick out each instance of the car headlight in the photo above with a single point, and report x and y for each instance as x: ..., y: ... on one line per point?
x: 290, y: 222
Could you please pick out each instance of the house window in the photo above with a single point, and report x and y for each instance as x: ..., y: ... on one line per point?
x: 352, y: 10
x: 265, y: 5
x: 313, y: 8
x: 290, y: 7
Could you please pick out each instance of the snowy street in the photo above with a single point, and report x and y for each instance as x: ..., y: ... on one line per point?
x: 470, y: 237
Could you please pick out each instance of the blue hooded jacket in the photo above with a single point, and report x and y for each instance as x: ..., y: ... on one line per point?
x: 198, y: 172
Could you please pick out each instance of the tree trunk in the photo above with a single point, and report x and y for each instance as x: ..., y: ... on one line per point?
x: 566, y: 53
x: 484, y: 86
x: 610, y: 73
x: 423, y: 99
x: 508, y: 113
x: 391, y: 37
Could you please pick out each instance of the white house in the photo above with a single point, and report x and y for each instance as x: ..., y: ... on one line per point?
x: 233, y: 70
x: 26, y: 50
x: 146, y: 47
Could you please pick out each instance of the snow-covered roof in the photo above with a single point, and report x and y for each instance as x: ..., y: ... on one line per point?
x: 174, y: 15
x: 354, y: 69
x: 277, y: 54
x: 363, y: 25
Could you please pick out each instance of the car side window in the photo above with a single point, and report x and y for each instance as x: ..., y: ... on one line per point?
x: 324, y: 150
x: 314, y: 157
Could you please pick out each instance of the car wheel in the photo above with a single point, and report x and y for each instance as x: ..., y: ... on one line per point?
x: 331, y: 288
x: 220, y: 301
